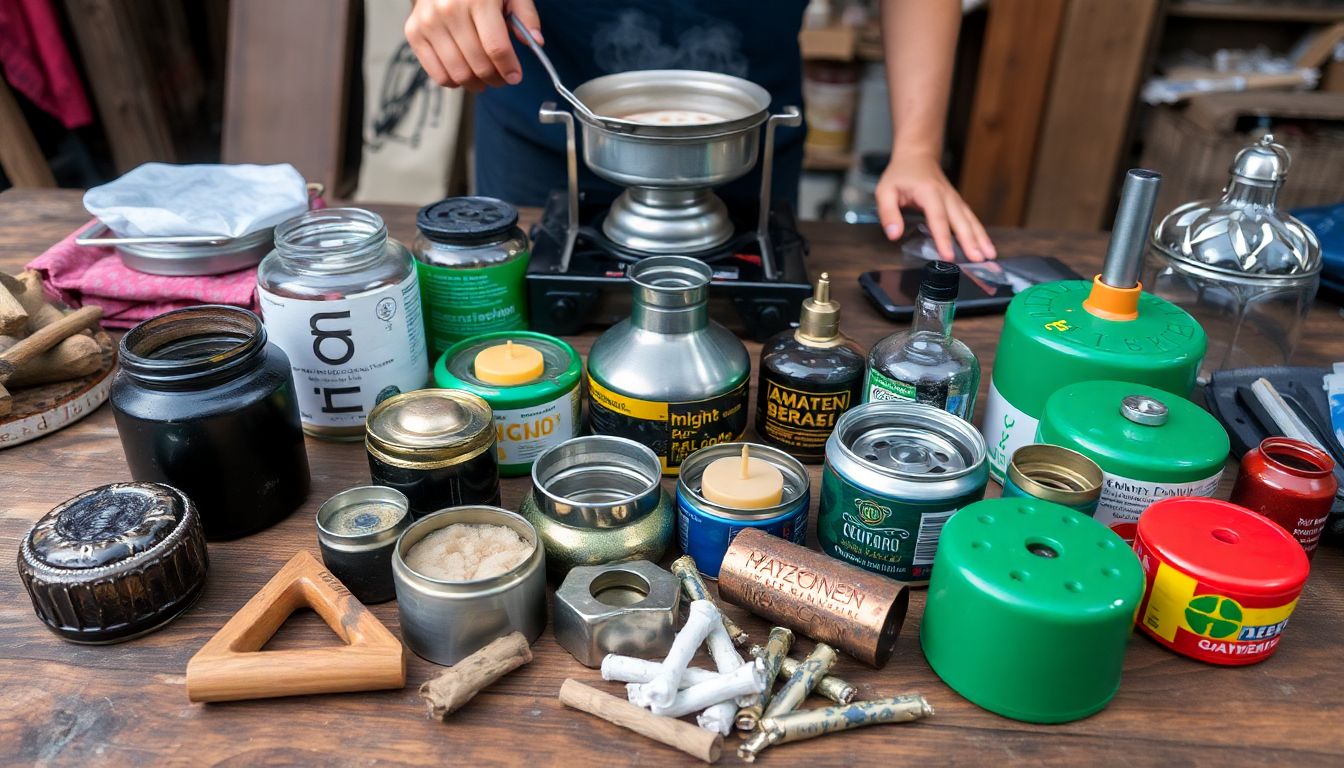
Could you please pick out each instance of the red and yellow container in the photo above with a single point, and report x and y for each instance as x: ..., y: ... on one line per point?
x: 1222, y: 580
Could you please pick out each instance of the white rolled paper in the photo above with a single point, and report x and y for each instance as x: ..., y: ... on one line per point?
x: 628, y: 669
x: 746, y: 679
x: 662, y: 689
x: 719, y: 717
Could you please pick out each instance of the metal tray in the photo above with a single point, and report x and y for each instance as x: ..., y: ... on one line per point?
x: 203, y: 255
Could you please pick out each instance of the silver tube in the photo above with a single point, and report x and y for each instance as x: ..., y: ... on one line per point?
x: 1129, y: 236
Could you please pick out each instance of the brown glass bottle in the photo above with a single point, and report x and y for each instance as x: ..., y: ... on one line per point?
x: 809, y: 376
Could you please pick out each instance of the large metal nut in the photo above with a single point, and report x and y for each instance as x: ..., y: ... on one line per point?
x: 626, y: 608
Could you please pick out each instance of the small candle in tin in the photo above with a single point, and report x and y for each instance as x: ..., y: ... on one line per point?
x: 357, y: 529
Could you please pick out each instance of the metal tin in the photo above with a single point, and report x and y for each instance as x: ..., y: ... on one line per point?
x: 597, y: 500
x: 177, y: 259
x: 1150, y: 445
x: 357, y: 529
x: 668, y: 376
x: 446, y: 621
x: 114, y: 563
x: 1292, y: 483
x: 437, y: 446
x: 895, y: 472
x: 1054, y: 473
x: 531, y: 417
x: 1222, y: 581
x: 827, y: 600
x: 705, y: 529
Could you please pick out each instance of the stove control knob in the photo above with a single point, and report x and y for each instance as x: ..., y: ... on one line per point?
x: 563, y: 309
x: 770, y: 318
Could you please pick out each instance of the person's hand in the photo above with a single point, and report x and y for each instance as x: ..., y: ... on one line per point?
x: 465, y: 43
x: 917, y: 180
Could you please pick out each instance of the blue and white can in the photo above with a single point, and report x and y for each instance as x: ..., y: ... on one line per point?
x: 705, y: 529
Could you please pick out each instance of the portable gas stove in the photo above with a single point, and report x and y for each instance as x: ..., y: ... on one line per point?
x: 581, y: 249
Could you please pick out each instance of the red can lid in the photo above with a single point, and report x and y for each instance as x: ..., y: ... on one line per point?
x: 1225, y: 545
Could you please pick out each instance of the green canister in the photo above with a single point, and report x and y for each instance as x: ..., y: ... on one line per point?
x: 1058, y: 333
x: 471, y: 257
x: 530, y: 380
x: 1150, y: 445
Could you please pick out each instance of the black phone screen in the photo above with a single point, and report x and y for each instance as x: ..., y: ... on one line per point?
x: 986, y: 286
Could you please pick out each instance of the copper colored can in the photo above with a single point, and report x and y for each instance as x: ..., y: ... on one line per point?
x: 832, y: 602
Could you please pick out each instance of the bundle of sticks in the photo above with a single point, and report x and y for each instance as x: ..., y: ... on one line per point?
x: 40, y: 343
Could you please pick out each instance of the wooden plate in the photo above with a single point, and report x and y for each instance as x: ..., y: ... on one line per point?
x: 42, y: 410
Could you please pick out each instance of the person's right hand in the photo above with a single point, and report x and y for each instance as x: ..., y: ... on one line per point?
x: 465, y: 43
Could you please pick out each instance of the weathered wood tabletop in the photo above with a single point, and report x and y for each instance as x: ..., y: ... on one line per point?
x: 126, y: 704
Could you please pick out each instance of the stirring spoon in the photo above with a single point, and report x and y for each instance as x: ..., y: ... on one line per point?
x: 608, y: 122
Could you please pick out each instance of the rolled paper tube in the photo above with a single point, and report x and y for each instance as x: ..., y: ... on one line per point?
x: 628, y: 669
x: 693, y: 586
x: 772, y: 656
x: 798, y: 726
x: 694, y: 741
x: 802, y: 681
x: 662, y: 689
x: 746, y: 679
x: 718, y: 718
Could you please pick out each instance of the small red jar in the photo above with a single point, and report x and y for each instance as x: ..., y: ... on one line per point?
x: 1291, y: 483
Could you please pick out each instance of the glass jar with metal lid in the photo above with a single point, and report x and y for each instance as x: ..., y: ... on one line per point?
x: 472, y: 258
x: 437, y: 446
x: 340, y: 298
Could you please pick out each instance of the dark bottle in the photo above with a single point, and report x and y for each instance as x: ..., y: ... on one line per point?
x: 809, y: 376
x: 203, y: 403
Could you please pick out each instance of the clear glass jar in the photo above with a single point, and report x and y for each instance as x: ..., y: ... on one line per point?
x: 341, y: 299
x: 472, y: 258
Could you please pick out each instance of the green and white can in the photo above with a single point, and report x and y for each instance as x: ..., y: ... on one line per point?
x: 529, y: 417
x: 895, y: 472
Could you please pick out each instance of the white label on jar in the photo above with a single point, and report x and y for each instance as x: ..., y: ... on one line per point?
x: 525, y: 432
x: 349, y: 354
x: 1124, y: 498
x: 1006, y: 428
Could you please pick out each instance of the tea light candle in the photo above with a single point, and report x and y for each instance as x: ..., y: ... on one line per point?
x: 743, y: 482
x: 509, y: 364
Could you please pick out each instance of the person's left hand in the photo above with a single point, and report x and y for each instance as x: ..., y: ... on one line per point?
x: 917, y: 180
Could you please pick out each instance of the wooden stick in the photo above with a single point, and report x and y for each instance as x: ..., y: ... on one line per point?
x: 34, y: 299
x: 74, y: 357
x: 457, y: 685
x: 13, y: 317
x: 694, y: 741
x: 45, y: 338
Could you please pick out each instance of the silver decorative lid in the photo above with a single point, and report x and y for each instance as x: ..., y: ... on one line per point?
x: 1244, y: 231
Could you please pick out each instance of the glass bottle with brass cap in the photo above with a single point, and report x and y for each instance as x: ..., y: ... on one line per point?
x: 810, y: 375
x: 437, y: 446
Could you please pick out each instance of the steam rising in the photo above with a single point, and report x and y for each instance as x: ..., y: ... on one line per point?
x: 634, y: 41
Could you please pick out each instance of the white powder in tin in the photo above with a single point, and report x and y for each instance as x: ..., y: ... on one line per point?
x: 467, y: 551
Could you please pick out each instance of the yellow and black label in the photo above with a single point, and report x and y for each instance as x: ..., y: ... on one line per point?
x: 673, y: 430
x: 799, y: 417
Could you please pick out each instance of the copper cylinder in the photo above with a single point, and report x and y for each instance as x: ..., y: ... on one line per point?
x: 829, y: 601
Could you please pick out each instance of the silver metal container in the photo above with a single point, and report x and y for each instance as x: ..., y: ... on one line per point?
x: 357, y: 529
x: 446, y: 621
x: 597, y: 500
x: 668, y: 376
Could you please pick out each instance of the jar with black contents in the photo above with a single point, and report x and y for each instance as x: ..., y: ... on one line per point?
x: 205, y: 404
x: 437, y: 446
x: 472, y: 259
x: 341, y: 299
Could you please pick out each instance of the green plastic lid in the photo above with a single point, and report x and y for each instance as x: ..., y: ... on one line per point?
x: 1049, y: 341
x: 1030, y: 608
x: 1135, y: 431
x: 561, y: 372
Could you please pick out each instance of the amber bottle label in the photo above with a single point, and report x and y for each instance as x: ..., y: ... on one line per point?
x: 673, y: 430
x: 798, y: 417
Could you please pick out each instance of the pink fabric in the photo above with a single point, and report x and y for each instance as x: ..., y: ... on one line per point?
x: 37, y: 63
x: 80, y: 275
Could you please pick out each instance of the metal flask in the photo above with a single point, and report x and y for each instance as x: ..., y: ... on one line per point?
x: 668, y: 376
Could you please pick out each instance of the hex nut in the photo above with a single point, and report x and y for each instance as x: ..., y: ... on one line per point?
x: 626, y: 608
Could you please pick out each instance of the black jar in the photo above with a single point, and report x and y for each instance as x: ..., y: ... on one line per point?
x: 203, y: 403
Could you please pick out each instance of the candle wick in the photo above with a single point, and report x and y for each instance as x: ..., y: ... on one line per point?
x: 746, y: 459
x: 508, y: 349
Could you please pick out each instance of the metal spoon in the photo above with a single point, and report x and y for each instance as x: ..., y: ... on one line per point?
x: 608, y: 122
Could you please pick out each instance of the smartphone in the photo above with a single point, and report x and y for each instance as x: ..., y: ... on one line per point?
x: 986, y: 286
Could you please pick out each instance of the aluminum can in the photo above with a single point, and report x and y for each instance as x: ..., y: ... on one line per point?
x: 446, y: 621
x: 1222, y: 581
x: 531, y: 417
x: 1054, y: 473
x: 357, y: 529
x: 895, y: 472
x: 1291, y: 483
x: 705, y: 529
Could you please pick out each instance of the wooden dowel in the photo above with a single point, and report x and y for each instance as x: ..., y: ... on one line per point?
x: 13, y: 317
x: 73, y: 357
x: 694, y: 741
x: 45, y: 338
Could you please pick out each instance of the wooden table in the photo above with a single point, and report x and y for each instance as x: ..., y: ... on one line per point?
x: 123, y: 704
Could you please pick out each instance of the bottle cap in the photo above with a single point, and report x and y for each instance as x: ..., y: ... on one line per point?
x: 941, y: 281
x: 820, y: 320
x: 466, y: 220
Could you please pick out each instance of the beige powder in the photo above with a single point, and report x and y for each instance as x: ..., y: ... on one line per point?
x: 466, y: 552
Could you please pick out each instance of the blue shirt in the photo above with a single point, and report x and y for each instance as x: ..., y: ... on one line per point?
x: 520, y: 160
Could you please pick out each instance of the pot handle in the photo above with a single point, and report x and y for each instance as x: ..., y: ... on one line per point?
x: 549, y: 114
x: 791, y: 116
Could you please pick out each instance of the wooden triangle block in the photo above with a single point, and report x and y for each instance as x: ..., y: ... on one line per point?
x: 232, y: 666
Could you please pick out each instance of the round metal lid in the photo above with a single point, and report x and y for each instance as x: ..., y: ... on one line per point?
x: 1142, y: 409
x: 431, y: 421
x: 466, y: 219
x: 107, y: 525
x: 910, y: 450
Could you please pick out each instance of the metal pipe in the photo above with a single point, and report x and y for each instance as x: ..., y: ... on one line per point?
x: 1129, y: 236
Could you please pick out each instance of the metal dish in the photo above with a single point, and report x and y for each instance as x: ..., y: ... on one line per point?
x: 179, y: 257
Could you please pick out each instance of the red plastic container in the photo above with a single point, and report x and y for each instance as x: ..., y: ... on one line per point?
x: 1222, y: 580
x: 1291, y: 483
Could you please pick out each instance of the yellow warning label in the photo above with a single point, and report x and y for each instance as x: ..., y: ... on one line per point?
x: 626, y: 405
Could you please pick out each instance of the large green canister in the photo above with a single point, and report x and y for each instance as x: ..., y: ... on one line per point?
x: 1030, y: 608
x: 1150, y: 445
